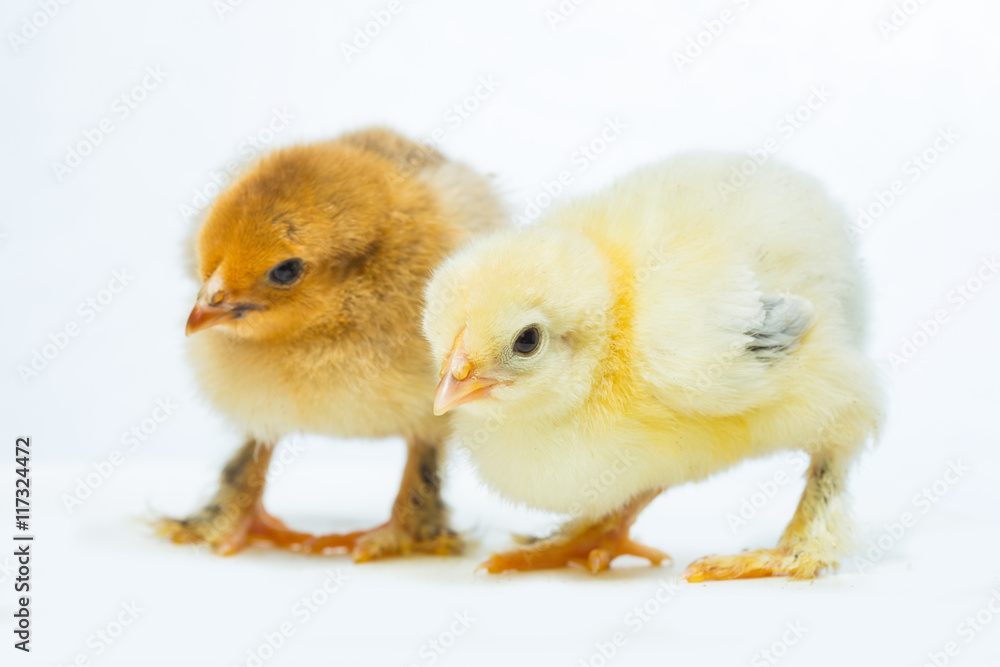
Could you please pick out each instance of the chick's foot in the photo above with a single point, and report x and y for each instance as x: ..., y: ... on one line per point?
x: 396, y: 538
x: 265, y: 528
x: 227, y: 536
x: 195, y: 529
x: 227, y: 532
x: 393, y: 538
x: 591, y: 546
x: 236, y: 514
x: 408, y: 531
x: 419, y: 520
x: 784, y: 561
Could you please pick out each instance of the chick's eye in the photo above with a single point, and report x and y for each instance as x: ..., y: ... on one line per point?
x: 286, y: 273
x: 527, y: 341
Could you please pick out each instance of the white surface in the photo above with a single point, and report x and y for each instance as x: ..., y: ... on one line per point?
x: 62, y: 241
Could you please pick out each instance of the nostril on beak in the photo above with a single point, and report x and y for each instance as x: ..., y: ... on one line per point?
x: 460, y: 365
x: 216, y: 298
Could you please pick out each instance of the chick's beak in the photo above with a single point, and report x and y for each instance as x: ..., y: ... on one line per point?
x: 459, y: 382
x: 203, y: 317
x: 211, y: 310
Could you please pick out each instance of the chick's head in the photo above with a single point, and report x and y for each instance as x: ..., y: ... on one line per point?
x: 520, y: 318
x: 276, y: 247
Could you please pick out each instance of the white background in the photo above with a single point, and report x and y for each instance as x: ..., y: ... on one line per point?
x: 891, y: 93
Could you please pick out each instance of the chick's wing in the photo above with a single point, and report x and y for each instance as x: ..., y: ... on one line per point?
x: 711, y: 341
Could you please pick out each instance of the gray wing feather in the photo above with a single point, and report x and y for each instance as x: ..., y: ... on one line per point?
x: 785, y: 319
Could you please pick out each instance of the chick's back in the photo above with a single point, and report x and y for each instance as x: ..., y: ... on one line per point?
x: 701, y: 258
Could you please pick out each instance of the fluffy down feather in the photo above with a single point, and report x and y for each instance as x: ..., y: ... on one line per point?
x: 312, y: 267
x: 680, y: 330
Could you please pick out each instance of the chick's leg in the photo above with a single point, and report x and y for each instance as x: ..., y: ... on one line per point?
x: 419, y: 519
x: 418, y: 523
x: 813, y: 542
x: 591, y: 545
x: 236, y: 514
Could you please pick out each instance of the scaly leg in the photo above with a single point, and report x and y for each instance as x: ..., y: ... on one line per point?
x: 419, y: 518
x: 418, y: 522
x: 817, y: 536
x: 590, y: 545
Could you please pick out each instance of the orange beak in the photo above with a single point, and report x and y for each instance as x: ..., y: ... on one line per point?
x: 459, y: 384
x: 215, y: 309
x: 204, y: 316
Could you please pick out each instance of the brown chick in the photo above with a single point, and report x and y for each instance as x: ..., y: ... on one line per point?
x: 313, y: 266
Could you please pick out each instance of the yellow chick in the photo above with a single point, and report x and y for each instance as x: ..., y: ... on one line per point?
x: 651, y: 335
x: 313, y: 266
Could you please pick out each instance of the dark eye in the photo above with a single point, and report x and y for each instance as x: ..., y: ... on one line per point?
x: 286, y: 273
x: 527, y: 341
